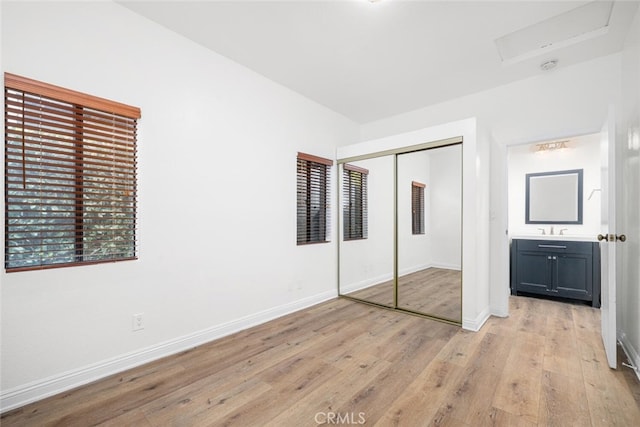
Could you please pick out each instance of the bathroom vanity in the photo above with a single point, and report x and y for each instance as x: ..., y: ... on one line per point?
x: 556, y: 267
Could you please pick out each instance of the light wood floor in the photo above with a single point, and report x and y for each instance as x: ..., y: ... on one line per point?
x: 433, y: 291
x: 544, y: 365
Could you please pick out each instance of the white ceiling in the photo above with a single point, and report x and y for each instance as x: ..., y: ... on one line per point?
x: 369, y: 61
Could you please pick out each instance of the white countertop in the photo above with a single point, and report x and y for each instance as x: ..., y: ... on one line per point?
x: 566, y: 237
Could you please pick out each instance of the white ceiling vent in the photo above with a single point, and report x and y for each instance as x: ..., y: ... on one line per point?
x: 579, y: 24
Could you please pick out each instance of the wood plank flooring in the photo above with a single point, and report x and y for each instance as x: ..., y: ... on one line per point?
x: 433, y: 291
x: 342, y: 362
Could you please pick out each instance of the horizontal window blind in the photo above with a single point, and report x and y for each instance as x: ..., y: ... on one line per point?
x: 417, y: 208
x: 70, y: 177
x: 313, y: 195
x: 355, y: 215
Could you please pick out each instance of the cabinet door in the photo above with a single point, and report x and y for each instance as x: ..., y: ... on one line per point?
x: 534, y: 272
x: 574, y: 276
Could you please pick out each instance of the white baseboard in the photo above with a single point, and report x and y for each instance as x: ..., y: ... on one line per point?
x: 499, y: 313
x: 417, y: 268
x: 475, y: 324
x: 630, y: 351
x: 364, y: 284
x: 40, y: 389
x: 445, y: 266
x: 414, y: 269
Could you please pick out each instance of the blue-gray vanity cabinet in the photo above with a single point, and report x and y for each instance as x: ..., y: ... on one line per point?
x: 564, y: 269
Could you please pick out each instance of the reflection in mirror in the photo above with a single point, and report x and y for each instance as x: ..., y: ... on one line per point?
x: 430, y: 232
x: 554, y: 197
x: 366, y: 230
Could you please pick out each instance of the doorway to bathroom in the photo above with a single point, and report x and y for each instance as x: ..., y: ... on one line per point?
x: 553, y: 160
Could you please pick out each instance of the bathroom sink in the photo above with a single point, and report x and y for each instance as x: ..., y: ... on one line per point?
x: 568, y: 237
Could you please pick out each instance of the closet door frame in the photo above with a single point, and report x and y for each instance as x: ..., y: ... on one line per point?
x: 395, y: 152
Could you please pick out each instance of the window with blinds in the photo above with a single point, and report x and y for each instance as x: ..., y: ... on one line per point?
x: 354, y: 209
x: 313, y: 199
x: 417, y: 208
x: 70, y: 177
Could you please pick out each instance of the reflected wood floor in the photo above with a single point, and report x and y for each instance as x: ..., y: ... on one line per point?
x: 433, y: 291
x: 542, y: 366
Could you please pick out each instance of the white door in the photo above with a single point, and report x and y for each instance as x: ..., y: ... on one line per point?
x: 608, y: 248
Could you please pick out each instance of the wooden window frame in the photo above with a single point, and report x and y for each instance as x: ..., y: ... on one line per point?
x: 70, y: 177
x: 417, y: 208
x: 355, y: 203
x: 313, y: 194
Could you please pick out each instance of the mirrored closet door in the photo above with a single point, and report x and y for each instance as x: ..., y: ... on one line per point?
x: 366, y: 230
x: 430, y: 232
x: 401, y: 230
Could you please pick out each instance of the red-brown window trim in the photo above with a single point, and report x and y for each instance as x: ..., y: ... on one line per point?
x: 316, y: 159
x: 349, y: 167
x: 51, y: 91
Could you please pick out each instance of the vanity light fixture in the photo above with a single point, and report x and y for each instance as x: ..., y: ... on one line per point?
x: 549, y: 65
x: 550, y: 146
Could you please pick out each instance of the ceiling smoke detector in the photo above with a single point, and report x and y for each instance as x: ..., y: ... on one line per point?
x: 549, y: 65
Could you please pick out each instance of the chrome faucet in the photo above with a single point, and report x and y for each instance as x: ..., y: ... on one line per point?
x: 563, y: 229
x: 543, y: 231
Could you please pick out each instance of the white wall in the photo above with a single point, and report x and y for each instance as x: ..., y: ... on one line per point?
x: 217, y: 155
x: 445, y: 180
x: 581, y: 153
x: 629, y: 165
x: 499, y: 223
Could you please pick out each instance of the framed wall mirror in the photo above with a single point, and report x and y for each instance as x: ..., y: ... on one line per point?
x: 554, y: 197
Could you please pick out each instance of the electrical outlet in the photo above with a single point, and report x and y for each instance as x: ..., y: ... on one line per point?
x: 138, y: 323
